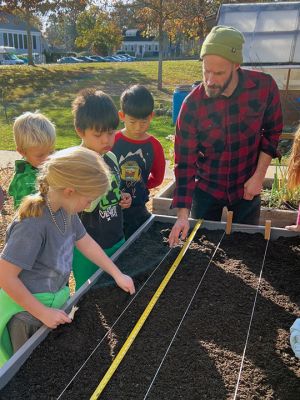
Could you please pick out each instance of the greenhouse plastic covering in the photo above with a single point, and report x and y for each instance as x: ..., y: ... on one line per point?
x: 271, y: 30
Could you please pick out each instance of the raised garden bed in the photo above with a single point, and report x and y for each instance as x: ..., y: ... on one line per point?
x: 280, y: 218
x: 205, y: 358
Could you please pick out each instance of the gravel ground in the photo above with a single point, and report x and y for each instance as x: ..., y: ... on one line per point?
x: 7, y: 212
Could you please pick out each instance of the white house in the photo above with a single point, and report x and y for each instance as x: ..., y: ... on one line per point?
x: 138, y: 45
x: 13, y: 34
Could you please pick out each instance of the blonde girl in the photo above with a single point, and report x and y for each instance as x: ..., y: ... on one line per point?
x: 36, y: 261
x: 294, y: 175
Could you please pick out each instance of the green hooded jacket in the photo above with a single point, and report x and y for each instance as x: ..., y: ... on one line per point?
x: 23, y: 182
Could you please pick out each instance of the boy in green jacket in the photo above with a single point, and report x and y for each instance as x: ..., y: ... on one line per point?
x: 34, y: 136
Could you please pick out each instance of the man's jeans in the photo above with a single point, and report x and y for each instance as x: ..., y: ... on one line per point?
x: 209, y: 208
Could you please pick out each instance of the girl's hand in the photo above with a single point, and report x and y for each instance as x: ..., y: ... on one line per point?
x: 295, y: 228
x: 125, y: 283
x: 126, y: 200
x: 54, y: 317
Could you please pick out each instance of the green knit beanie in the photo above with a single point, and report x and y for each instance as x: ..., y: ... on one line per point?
x: 226, y: 42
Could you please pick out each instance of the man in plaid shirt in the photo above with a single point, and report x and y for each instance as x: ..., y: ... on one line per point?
x: 227, y: 133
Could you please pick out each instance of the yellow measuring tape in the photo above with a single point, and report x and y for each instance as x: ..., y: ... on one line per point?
x: 119, y: 357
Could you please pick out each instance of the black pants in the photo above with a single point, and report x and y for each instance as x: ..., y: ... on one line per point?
x: 134, y: 217
x: 21, y: 327
x: 209, y: 208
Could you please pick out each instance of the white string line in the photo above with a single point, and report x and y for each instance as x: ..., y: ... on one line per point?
x: 119, y: 317
x: 182, y: 319
x: 250, y: 323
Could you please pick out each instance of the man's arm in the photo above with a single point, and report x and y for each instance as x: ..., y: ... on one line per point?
x: 271, y: 130
x: 254, y: 185
x: 186, y: 145
x: 272, y: 123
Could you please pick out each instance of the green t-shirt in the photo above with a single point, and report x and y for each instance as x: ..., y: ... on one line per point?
x: 23, y: 182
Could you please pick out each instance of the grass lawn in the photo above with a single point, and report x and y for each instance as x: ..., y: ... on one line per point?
x: 52, y: 88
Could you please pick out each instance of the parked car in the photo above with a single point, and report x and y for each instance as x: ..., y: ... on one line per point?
x: 68, y: 60
x: 97, y: 58
x: 8, y: 56
x: 10, y: 59
x: 113, y: 59
x: 37, y: 58
x: 124, y: 57
x: 85, y: 59
x: 122, y: 53
x: 133, y: 58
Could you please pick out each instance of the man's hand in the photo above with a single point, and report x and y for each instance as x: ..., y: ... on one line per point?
x: 181, y: 227
x: 252, y: 187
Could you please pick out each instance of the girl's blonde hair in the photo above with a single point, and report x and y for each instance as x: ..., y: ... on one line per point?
x: 293, y: 173
x: 33, y: 129
x: 77, y: 168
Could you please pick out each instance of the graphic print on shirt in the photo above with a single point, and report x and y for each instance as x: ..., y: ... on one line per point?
x: 131, y: 166
x: 130, y: 171
x: 109, y: 202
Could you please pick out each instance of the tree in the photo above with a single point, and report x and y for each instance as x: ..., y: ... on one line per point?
x: 161, y: 18
x: 61, y: 31
x: 67, y: 15
x: 125, y: 17
x: 54, y: 31
x: 193, y: 16
x: 97, y: 31
x: 28, y: 11
x: 154, y: 16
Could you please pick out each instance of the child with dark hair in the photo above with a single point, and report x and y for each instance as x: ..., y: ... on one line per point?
x: 95, y: 120
x: 140, y: 155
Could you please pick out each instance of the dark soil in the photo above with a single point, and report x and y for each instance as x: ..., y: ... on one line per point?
x: 205, y: 358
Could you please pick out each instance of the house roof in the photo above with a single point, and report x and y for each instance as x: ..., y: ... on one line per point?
x: 134, y: 35
x: 8, y: 21
x: 271, y: 31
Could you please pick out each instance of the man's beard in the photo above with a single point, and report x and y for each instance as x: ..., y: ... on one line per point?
x: 216, y: 90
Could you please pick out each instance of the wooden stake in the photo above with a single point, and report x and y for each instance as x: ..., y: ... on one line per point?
x: 268, y: 229
x: 229, y: 222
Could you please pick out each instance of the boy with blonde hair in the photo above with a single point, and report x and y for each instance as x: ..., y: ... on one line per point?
x: 34, y: 136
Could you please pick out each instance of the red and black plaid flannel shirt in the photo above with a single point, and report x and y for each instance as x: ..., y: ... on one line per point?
x: 218, y: 140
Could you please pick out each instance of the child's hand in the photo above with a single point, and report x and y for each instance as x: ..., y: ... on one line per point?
x: 295, y: 228
x: 125, y: 283
x: 54, y: 317
x: 126, y: 200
